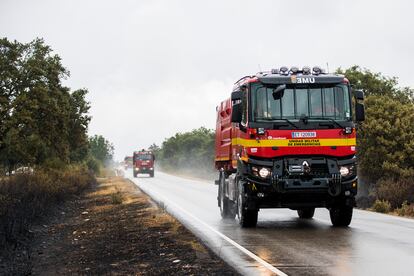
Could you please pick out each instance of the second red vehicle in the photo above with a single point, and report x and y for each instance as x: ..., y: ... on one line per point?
x: 144, y: 162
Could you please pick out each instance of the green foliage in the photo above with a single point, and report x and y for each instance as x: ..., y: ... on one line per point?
x: 381, y: 206
x: 376, y: 84
x: 117, y: 197
x: 191, y: 152
x: 386, y: 139
x: 155, y: 149
x: 93, y: 165
x: 101, y: 149
x: 40, y: 118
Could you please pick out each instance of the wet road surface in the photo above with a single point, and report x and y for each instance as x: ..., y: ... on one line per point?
x: 374, y: 244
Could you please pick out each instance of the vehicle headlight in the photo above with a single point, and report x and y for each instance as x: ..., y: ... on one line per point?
x: 255, y: 171
x: 344, y: 171
x: 137, y: 169
x: 264, y: 172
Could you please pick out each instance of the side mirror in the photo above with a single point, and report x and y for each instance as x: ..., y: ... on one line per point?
x: 236, y: 114
x: 359, y: 95
x: 359, y: 112
x: 278, y: 92
x: 236, y: 95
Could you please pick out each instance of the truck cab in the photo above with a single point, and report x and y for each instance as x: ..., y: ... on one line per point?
x: 143, y: 163
x: 287, y: 139
x: 128, y: 162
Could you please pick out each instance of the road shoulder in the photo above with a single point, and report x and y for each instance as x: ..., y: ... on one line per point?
x: 115, y: 229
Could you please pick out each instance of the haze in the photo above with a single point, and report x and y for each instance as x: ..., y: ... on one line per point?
x: 154, y: 68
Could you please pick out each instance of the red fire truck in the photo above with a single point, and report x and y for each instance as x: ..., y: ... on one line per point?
x: 143, y: 162
x: 127, y: 162
x: 287, y: 139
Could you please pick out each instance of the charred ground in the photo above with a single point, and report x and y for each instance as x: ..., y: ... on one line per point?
x: 113, y: 229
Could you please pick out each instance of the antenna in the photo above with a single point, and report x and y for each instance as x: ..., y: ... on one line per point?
x: 260, y: 68
x: 327, y: 67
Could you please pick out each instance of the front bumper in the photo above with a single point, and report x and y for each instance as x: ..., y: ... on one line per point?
x: 143, y: 169
x: 325, y: 179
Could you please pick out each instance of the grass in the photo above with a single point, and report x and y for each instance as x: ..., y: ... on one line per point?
x: 26, y: 197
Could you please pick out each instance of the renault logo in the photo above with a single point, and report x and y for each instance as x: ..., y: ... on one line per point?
x: 306, y: 168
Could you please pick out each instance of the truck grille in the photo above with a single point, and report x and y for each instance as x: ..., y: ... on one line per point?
x: 319, y: 170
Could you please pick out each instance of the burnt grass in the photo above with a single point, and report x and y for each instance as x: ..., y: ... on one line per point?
x: 112, y: 229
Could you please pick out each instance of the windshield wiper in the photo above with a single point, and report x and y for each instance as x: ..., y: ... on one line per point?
x: 326, y: 119
x: 274, y: 119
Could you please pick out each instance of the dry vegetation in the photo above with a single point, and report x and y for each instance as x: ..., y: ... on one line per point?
x: 25, y: 197
x: 93, y: 235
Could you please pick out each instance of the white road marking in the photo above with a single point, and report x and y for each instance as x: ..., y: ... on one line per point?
x: 224, y: 237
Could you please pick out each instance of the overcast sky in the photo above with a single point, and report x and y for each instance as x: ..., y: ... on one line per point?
x: 154, y: 68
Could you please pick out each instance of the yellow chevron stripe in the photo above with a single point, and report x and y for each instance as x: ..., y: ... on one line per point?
x: 294, y: 142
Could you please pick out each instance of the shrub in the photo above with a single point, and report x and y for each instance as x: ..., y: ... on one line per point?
x: 395, y: 191
x: 93, y: 165
x: 406, y: 210
x: 381, y: 206
x: 117, y: 197
x: 365, y: 202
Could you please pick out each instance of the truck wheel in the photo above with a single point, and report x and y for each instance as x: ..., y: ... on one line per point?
x: 152, y: 174
x: 247, y: 218
x: 135, y: 174
x: 226, y: 206
x: 306, y: 213
x: 341, y: 216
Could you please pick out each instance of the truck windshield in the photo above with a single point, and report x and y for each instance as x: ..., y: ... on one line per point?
x: 312, y: 101
x: 143, y: 157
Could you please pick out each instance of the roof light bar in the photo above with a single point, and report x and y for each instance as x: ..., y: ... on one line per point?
x: 284, y: 70
x: 294, y: 69
x: 306, y: 70
x: 275, y: 71
x: 316, y: 70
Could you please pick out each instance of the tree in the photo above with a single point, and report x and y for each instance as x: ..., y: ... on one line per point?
x: 192, y: 150
x: 385, y: 138
x: 41, y: 120
x: 155, y: 149
x: 374, y: 83
x: 101, y: 149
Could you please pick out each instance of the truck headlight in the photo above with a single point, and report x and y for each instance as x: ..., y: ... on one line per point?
x: 344, y: 171
x: 137, y: 169
x: 264, y: 172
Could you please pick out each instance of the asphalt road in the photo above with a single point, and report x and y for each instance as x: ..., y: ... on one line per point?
x: 374, y: 244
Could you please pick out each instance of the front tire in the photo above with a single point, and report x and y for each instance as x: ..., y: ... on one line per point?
x: 152, y: 174
x: 135, y: 174
x: 306, y: 213
x: 341, y: 216
x: 247, y: 218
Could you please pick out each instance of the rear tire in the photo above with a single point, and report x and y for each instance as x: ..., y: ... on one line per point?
x: 306, y: 213
x: 247, y: 218
x: 227, y: 209
x: 341, y: 216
